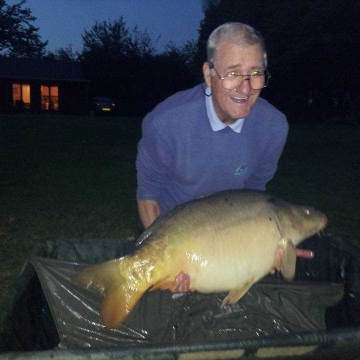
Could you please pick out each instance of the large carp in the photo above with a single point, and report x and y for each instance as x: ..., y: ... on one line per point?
x: 225, y: 241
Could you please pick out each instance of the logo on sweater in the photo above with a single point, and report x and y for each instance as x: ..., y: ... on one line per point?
x: 240, y: 170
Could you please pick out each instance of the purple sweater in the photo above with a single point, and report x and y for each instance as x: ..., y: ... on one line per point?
x: 180, y: 157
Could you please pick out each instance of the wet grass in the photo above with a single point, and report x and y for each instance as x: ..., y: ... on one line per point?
x: 74, y: 177
x: 320, y: 166
x: 67, y: 177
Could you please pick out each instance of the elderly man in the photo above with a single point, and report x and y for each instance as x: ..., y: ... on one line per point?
x: 216, y: 136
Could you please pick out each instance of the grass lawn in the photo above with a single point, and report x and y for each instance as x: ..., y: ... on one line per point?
x: 74, y: 177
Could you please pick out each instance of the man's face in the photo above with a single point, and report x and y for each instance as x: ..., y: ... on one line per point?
x: 231, y: 105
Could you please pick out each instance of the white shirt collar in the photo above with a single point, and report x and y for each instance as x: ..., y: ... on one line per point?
x: 215, y: 122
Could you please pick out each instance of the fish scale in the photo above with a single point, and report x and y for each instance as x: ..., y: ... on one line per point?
x: 225, y: 241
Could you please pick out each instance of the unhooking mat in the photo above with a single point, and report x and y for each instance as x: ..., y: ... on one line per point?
x: 271, y: 307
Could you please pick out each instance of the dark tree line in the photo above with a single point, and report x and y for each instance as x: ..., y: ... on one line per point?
x: 313, y: 49
x: 125, y: 65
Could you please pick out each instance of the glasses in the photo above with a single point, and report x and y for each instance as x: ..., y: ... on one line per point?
x: 258, y: 79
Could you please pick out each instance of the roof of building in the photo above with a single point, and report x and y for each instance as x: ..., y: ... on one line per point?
x: 40, y: 69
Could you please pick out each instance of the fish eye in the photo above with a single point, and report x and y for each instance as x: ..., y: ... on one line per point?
x: 306, y: 211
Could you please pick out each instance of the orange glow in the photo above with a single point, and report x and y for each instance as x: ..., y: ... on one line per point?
x: 49, y: 97
x: 21, y: 95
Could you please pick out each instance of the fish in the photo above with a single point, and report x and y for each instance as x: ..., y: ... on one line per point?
x: 225, y: 242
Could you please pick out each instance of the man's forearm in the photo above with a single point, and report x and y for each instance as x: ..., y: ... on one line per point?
x: 149, y: 210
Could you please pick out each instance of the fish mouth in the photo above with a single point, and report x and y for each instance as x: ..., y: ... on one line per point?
x: 323, y: 225
x: 325, y: 221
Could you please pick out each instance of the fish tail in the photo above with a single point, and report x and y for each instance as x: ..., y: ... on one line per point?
x: 101, y: 277
x: 121, y: 285
x: 118, y: 303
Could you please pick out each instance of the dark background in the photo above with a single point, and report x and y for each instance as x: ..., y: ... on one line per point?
x: 313, y: 48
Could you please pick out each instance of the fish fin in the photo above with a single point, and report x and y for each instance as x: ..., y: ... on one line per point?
x: 120, y: 296
x: 236, y: 294
x: 100, y: 277
x: 118, y: 303
x: 165, y: 283
x: 288, y: 264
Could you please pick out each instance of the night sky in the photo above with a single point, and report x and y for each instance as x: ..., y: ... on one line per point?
x: 62, y: 22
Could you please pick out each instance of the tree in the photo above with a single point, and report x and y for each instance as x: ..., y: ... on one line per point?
x: 64, y: 54
x: 117, y: 61
x: 18, y: 37
x: 171, y: 71
x: 124, y: 64
x: 311, y: 46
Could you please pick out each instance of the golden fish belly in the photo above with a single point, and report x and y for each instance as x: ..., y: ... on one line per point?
x: 220, y: 261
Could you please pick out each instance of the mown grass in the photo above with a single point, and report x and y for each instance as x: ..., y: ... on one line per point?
x: 74, y: 177
x: 67, y: 177
x: 321, y: 166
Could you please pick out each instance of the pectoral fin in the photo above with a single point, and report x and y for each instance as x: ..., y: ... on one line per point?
x: 288, y: 264
x: 236, y: 294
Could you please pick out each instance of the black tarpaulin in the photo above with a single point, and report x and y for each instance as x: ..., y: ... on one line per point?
x: 27, y: 324
x: 270, y: 307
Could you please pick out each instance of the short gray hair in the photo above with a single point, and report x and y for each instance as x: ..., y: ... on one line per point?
x: 237, y: 34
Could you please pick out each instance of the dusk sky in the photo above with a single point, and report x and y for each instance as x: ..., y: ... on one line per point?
x: 62, y: 22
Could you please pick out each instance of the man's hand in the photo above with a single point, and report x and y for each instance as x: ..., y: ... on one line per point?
x: 304, y: 254
x: 180, y: 285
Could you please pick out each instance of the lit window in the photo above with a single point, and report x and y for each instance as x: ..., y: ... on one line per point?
x: 49, y: 97
x: 21, y: 96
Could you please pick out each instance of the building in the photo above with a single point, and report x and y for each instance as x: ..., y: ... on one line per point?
x: 42, y: 85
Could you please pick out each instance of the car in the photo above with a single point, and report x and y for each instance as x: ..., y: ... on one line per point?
x: 103, y: 105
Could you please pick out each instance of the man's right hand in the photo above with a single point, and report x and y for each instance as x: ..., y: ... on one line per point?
x: 180, y: 285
